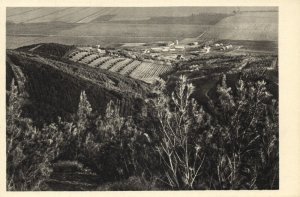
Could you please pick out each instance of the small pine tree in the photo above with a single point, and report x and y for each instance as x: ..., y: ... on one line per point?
x: 82, y: 121
x: 84, y: 110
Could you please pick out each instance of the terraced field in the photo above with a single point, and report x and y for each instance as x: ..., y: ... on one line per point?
x: 145, y: 71
x: 110, y: 63
x: 130, y: 67
x: 89, y: 58
x: 99, y: 61
x: 76, y: 56
x: 120, y: 65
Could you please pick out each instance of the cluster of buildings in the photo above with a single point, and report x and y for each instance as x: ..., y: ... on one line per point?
x: 166, y: 52
x: 94, y: 48
x: 167, y: 47
x: 205, y: 49
x: 222, y: 47
x: 99, y: 50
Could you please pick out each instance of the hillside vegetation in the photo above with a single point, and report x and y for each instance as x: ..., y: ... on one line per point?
x: 54, y: 86
x: 233, y: 146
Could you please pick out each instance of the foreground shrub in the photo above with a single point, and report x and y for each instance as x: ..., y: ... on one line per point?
x: 232, y: 144
x: 180, y: 119
x: 107, y: 144
x: 244, y: 141
x: 29, y: 150
x: 235, y: 146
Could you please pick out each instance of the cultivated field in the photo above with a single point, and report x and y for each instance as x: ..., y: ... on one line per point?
x: 145, y: 71
x: 101, y: 33
x: 135, y: 30
x: 89, y: 14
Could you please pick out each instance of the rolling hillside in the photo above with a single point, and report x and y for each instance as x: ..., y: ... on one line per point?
x: 54, y: 85
x: 246, y: 26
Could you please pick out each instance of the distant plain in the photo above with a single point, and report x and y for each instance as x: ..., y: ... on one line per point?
x: 108, y: 26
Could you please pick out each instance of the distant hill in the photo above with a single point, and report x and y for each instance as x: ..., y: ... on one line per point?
x: 54, y: 85
x: 198, y: 19
x: 246, y: 26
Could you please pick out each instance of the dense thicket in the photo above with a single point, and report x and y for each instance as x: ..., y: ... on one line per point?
x: 30, y: 151
x: 233, y: 146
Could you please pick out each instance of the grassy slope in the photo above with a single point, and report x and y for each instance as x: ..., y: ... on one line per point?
x: 48, y: 49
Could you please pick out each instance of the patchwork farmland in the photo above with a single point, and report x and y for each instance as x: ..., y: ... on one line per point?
x: 142, y: 70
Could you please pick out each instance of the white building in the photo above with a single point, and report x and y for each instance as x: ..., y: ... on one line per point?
x: 180, y: 47
x: 156, y: 49
x: 101, y: 51
x: 229, y: 46
x: 205, y: 49
x: 165, y: 49
x: 171, y: 44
